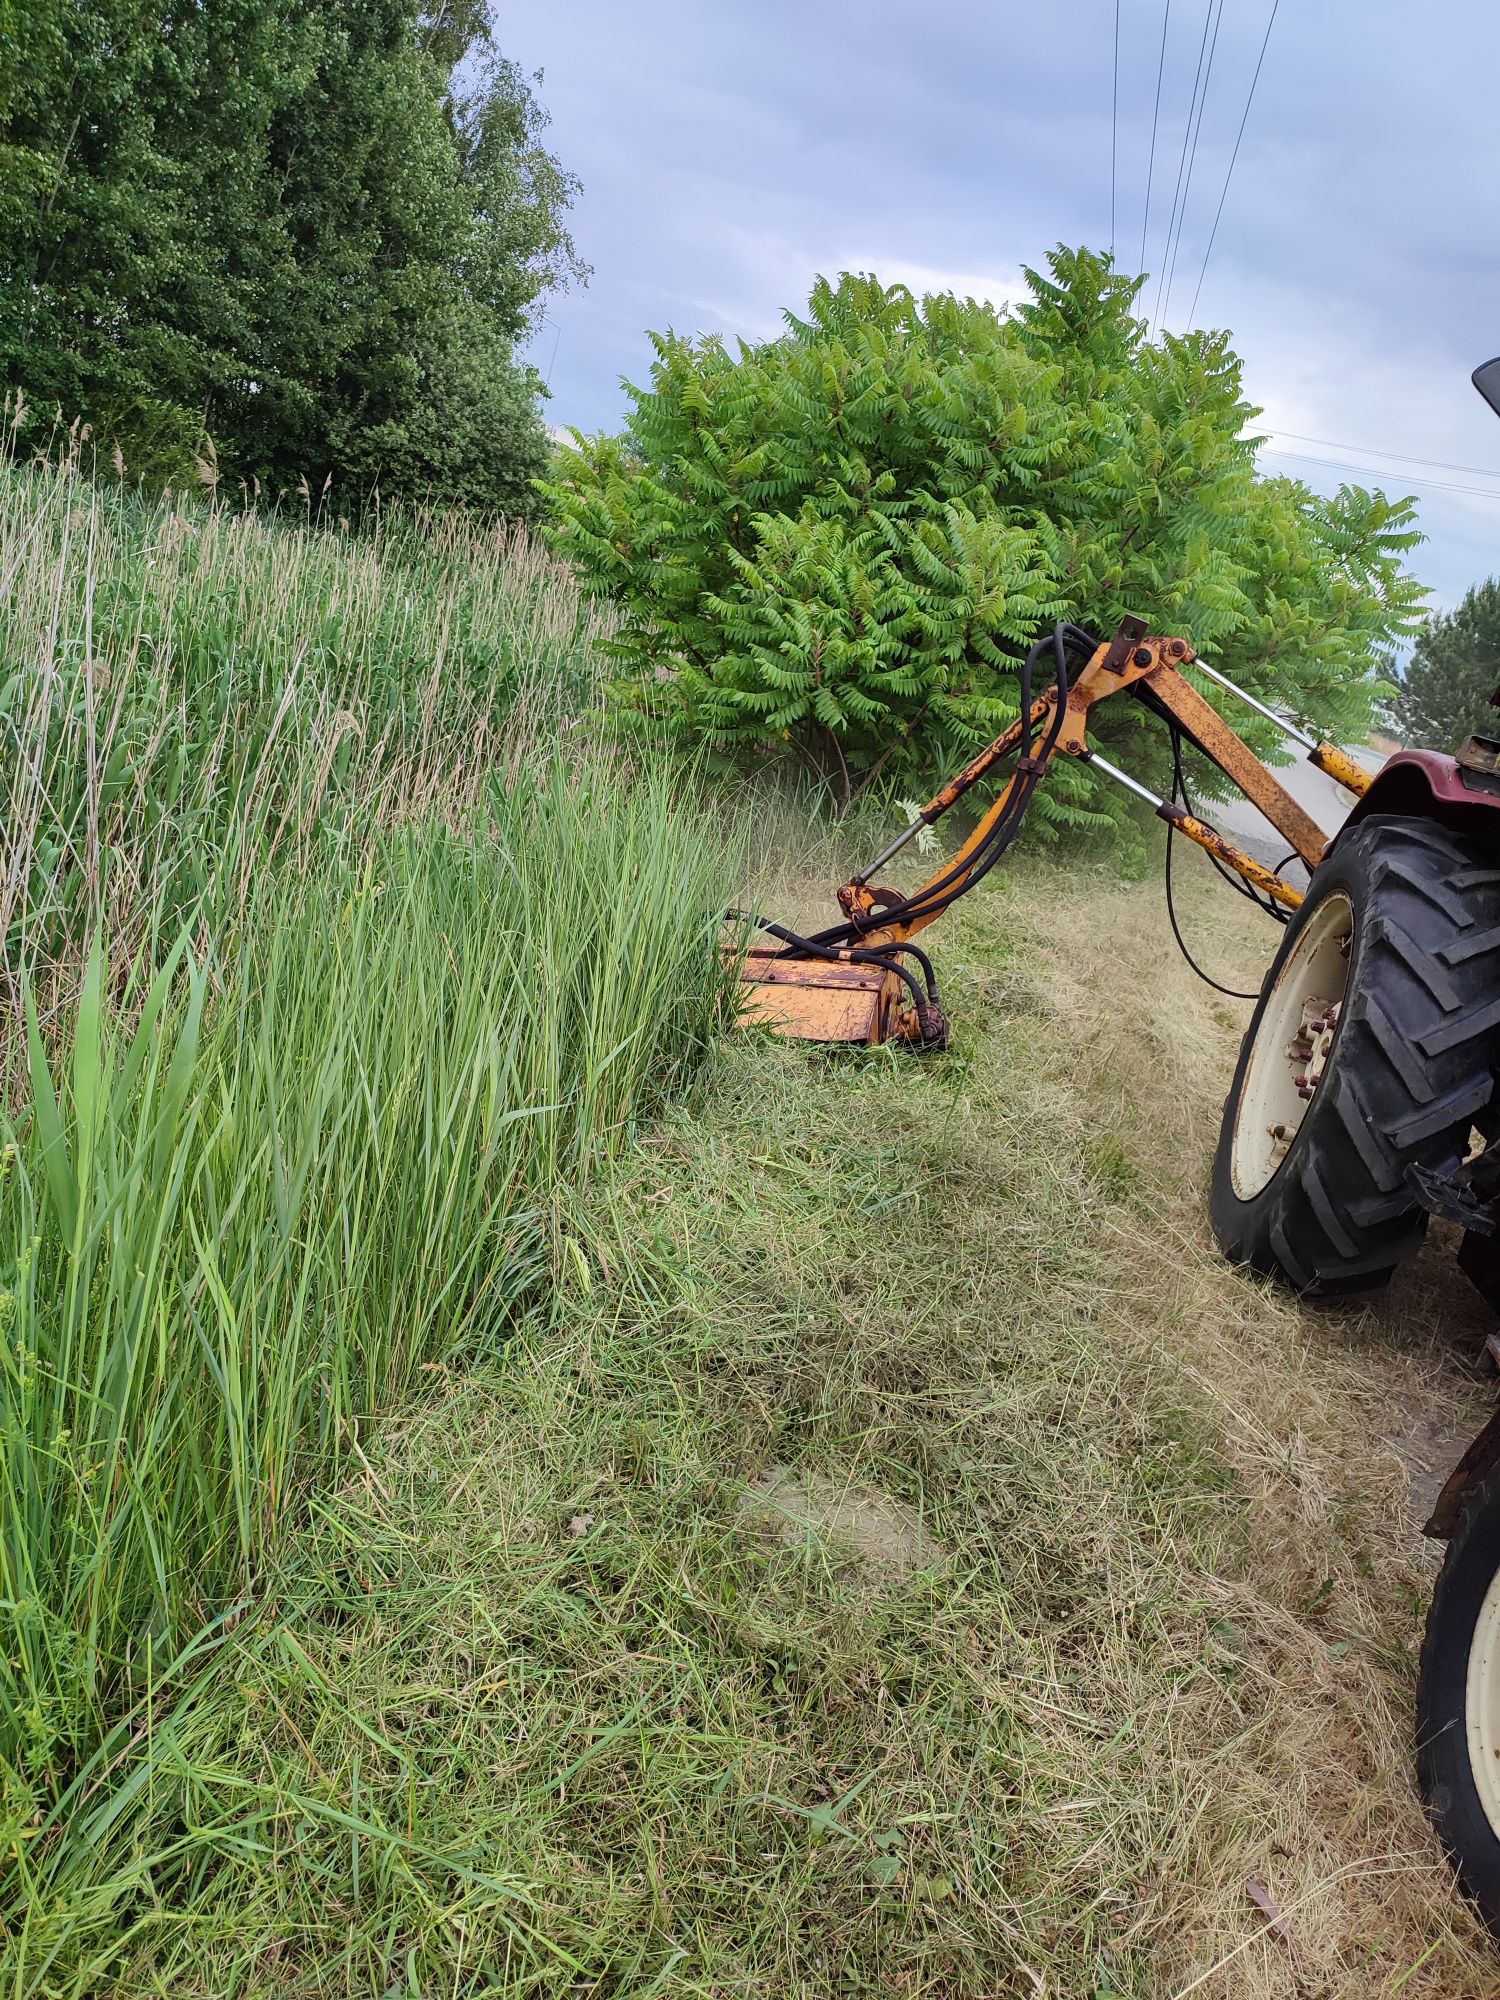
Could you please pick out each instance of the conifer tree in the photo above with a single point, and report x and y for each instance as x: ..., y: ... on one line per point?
x: 1453, y: 671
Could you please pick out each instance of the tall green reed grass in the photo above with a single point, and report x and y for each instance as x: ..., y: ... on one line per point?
x: 241, y: 1213
x: 190, y: 693
x: 339, y: 948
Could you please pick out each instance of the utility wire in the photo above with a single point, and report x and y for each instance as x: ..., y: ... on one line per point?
x: 1377, y: 473
x: 1245, y: 119
x: 1375, y: 451
x: 1187, y: 186
x: 1161, y: 63
x: 1187, y: 133
x: 1374, y: 472
x: 1114, y: 133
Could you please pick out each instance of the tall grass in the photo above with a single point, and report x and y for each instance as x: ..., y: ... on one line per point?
x: 189, y: 693
x: 339, y: 953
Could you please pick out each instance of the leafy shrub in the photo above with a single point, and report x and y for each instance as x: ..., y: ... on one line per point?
x: 841, y: 540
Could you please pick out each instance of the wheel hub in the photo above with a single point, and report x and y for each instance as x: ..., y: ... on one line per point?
x: 1294, y: 1041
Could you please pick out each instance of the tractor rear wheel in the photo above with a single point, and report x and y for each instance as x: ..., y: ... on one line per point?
x: 1458, y: 1702
x: 1371, y: 1049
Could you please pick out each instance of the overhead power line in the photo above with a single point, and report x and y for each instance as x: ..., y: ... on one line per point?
x: 1377, y: 451
x: 1161, y: 63
x: 1374, y: 472
x: 1175, y: 242
x: 1114, y: 132
x: 1229, y: 176
x: 1187, y: 133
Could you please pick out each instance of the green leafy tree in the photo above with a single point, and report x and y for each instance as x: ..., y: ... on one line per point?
x: 281, y: 225
x: 839, y: 542
x: 1453, y: 671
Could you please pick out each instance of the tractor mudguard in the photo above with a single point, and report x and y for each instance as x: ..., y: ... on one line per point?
x: 1476, y: 1464
x: 1461, y: 793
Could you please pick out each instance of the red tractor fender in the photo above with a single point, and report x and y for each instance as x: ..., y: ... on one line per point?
x: 1429, y: 784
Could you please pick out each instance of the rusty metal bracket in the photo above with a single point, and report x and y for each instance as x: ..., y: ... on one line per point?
x: 1123, y: 644
x: 1202, y: 724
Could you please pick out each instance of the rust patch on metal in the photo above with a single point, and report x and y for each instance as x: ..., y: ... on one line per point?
x: 811, y: 1000
x: 1245, y: 865
x: 1342, y: 768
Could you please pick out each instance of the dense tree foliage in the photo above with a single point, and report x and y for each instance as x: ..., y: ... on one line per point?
x: 308, y: 230
x: 842, y: 540
x: 1453, y: 671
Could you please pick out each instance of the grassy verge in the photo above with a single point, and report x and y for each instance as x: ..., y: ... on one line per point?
x: 191, y: 696
x: 907, y: 1563
x: 340, y: 956
x: 235, y: 1226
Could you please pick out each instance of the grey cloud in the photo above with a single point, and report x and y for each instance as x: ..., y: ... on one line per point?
x: 728, y: 153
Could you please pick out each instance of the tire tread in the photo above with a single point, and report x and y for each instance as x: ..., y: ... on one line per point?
x: 1412, y: 1066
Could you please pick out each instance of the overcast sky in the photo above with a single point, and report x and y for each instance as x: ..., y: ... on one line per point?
x: 729, y: 152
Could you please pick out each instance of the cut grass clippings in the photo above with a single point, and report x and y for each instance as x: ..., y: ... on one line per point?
x: 908, y: 1562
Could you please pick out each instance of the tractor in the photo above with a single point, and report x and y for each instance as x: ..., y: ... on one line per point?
x: 1364, y: 1099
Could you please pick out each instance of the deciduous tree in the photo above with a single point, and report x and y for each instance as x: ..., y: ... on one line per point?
x: 281, y: 225
x: 840, y: 541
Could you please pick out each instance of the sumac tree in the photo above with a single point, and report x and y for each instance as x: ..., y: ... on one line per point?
x: 837, y: 544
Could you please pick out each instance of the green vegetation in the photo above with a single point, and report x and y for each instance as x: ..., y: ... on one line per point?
x: 1454, y: 669
x: 902, y: 1559
x: 504, y: 1489
x: 341, y: 955
x: 190, y: 691
x: 309, y: 233
x: 841, y: 540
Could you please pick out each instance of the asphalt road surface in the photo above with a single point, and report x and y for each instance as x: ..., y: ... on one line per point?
x: 1329, y: 804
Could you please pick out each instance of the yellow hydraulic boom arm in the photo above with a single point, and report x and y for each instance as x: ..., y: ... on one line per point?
x: 859, y: 981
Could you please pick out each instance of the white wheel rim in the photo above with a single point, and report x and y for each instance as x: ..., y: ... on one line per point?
x: 1292, y: 1048
x: 1482, y: 1704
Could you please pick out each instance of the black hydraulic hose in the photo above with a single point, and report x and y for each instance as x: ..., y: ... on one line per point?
x: 839, y: 943
x: 964, y: 875
x: 1231, y: 992
x: 928, y: 974
x: 968, y: 874
x: 1179, y: 787
x: 1236, y: 882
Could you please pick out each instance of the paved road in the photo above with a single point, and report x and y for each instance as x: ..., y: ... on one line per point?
x: 1329, y: 804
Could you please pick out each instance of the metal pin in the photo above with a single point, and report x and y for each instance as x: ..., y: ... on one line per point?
x: 1124, y: 778
x: 908, y: 833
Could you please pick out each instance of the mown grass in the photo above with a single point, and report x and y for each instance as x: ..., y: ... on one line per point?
x: 906, y: 1561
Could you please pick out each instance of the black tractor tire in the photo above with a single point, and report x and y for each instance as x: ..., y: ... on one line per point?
x: 1446, y: 1775
x: 1410, y: 1070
